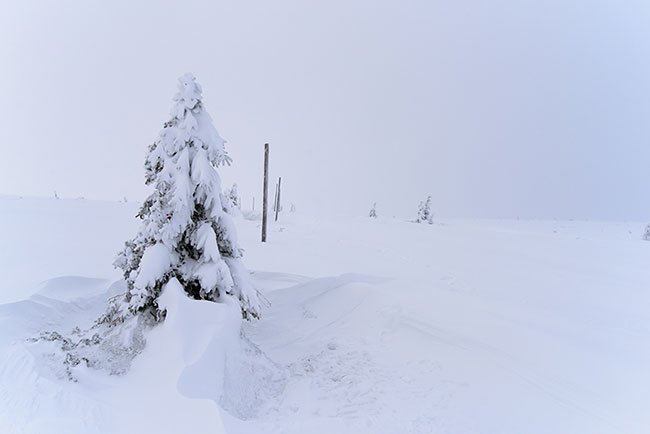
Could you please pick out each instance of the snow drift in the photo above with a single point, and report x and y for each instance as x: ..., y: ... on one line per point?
x: 177, y: 382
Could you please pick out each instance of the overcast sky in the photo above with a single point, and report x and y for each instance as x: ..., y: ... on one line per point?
x: 495, y: 108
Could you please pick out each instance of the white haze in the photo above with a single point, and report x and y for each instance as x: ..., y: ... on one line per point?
x: 502, y: 109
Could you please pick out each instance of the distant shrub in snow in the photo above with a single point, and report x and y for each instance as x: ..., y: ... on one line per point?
x: 186, y: 231
x: 424, y: 211
x: 233, y: 197
x: 646, y: 233
x: 373, y: 211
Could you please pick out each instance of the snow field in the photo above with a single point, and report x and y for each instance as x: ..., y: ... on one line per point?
x: 375, y: 325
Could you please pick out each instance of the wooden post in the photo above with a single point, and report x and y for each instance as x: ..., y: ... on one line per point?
x: 277, y: 200
x: 253, y: 203
x: 266, y: 188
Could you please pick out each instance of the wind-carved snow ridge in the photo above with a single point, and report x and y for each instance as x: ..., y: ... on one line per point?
x: 219, y: 363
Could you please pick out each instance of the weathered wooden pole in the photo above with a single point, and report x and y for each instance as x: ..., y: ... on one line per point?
x: 277, y: 200
x: 253, y: 203
x: 266, y: 188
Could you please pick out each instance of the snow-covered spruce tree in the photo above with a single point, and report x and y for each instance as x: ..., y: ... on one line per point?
x: 233, y: 197
x: 373, y: 211
x: 646, y: 233
x: 424, y: 211
x: 186, y: 231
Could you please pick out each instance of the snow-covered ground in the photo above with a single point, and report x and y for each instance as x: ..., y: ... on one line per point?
x: 377, y: 326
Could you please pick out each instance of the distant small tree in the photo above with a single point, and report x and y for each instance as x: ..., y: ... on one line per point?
x: 233, y: 196
x: 424, y: 211
x: 186, y: 231
x: 373, y: 211
x: 56, y: 196
x: 293, y: 207
x: 646, y: 233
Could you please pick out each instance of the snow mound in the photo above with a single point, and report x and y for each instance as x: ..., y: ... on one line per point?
x: 68, y: 288
x: 219, y: 363
x: 251, y: 215
x: 194, y: 366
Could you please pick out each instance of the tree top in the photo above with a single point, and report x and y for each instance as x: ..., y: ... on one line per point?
x: 189, y: 95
